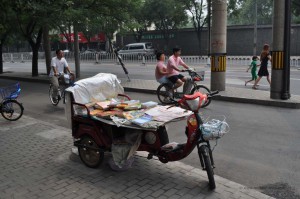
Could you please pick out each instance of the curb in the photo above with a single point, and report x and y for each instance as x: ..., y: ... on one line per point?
x: 291, y: 105
x: 25, y: 79
x: 273, y: 103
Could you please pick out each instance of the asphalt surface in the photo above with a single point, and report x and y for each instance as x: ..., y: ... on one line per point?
x: 261, y: 151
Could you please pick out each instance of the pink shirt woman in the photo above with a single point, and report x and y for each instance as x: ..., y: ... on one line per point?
x: 161, y: 69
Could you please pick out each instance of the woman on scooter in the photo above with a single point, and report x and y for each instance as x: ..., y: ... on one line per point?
x: 161, y: 69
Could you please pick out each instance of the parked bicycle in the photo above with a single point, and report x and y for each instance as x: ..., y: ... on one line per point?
x: 10, y: 108
x: 166, y: 93
x: 65, y: 81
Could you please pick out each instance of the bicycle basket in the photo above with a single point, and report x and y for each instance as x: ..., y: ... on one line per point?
x: 214, y: 129
x: 198, y: 76
x: 10, y: 92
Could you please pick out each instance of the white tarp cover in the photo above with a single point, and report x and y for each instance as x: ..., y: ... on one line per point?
x: 97, y: 88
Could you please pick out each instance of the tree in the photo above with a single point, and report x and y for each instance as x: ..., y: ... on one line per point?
x: 167, y: 16
x: 6, y: 26
x: 31, y: 17
x: 140, y: 21
x: 241, y: 12
x: 195, y: 8
x: 296, y: 11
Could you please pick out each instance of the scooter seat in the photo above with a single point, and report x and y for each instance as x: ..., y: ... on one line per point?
x: 193, y: 96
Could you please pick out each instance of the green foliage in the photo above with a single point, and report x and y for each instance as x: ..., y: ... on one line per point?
x: 241, y: 12
x: 7, y: 25
x: 167, y: 14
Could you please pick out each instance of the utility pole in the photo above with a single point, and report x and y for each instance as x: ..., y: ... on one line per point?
x: 218, y: 44
x: 208, y: 26
x: 281, y: 50
x: 255, y: 29
x: 287, y: 46
x: 76, y: 51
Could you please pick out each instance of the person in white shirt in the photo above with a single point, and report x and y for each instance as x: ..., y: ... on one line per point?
x: 58, y: 65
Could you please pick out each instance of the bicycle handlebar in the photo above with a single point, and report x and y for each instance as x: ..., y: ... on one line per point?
x: 212, y: 94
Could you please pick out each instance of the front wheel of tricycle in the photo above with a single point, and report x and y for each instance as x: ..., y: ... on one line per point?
x: 89, y: 152
x: 208, y: 167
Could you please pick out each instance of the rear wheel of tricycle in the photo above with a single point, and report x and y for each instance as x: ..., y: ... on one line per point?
x: 204, y: 90
x: 89, y: 152
x: 208, y: 167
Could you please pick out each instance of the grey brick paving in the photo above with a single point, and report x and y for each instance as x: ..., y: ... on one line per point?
x: 36, y: 162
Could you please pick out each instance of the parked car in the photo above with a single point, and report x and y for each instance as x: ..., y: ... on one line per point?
x: 138, y: 49
x: 91, y: 54
x: 88, y: 54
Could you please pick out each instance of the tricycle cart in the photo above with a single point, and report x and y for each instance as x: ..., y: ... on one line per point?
x: 94, y: 136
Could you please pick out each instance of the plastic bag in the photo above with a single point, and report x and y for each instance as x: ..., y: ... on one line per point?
x: 214, y: 129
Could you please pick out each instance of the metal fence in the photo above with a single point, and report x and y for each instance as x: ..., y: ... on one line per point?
x: 111, y: 58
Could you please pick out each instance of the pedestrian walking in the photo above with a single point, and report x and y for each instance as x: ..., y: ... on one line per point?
x: 253, y: 67
x: 263, y: 70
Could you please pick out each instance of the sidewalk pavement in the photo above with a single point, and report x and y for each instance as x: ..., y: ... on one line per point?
x: 37, y: 162
x: 232, y: 94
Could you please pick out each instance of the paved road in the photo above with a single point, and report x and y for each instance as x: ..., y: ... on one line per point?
x: 261, y: 151
x: 37, y: 163
x: 235, y: 76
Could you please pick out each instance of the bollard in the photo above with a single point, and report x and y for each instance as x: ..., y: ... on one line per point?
x: 12, y: 58
x: 143, y: 60
x: 22, y: 58
x: 97, y: 59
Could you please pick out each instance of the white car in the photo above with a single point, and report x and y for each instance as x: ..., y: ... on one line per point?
x: 138, y: 49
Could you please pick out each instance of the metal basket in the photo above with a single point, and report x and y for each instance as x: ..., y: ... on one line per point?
x: 198, y: 76
x: 10, y: 92
x: 215, y: 128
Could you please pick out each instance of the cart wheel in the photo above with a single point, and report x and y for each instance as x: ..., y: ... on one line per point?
x: 89, y: 156
x: 208, y: 167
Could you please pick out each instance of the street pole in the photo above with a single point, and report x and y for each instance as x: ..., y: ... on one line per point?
x: 287, y: 40
x: 278, y: 49
x: 76, y: 51
x: 208, y: 26
x: 280, y: 86
x: 218, y: 44
x: 255, y: 29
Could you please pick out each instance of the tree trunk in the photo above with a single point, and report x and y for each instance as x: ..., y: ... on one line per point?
x: 35, y: 57
x: 47, y: 48
x: 1, y: 60
x: 76, y: 52
x: 35, y: 45
x: 199, y: 41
